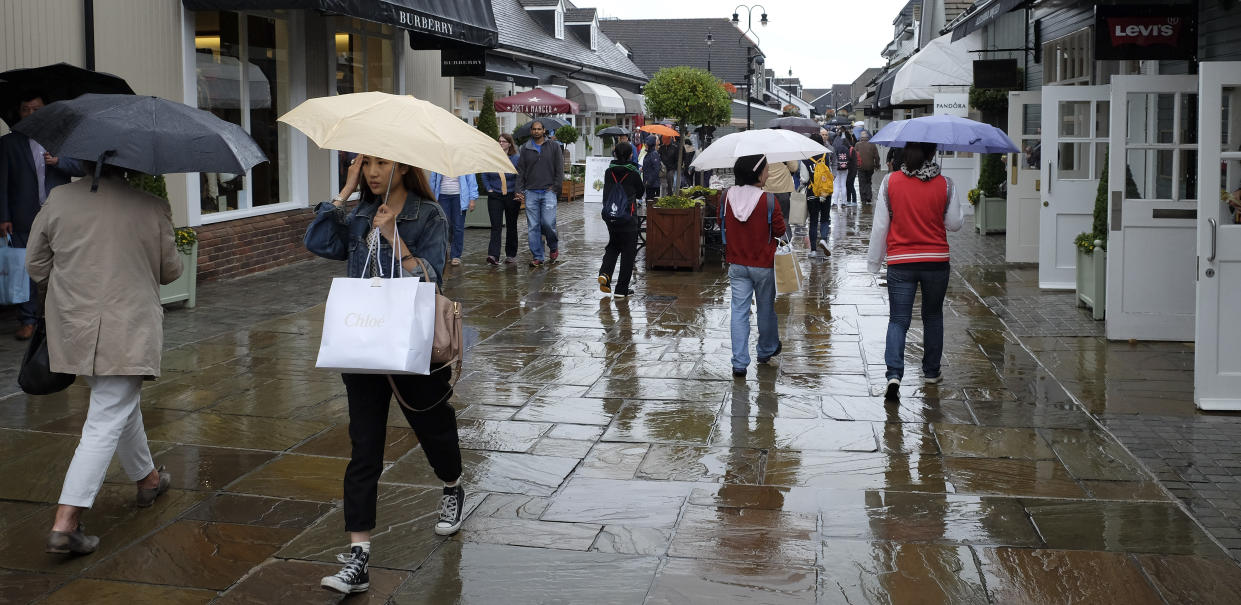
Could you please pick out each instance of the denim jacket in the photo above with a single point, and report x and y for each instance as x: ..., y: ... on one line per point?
x: 335, y: 235
x: 467, y: 183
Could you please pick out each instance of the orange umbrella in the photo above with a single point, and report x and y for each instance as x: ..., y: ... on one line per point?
x: 659, y: 129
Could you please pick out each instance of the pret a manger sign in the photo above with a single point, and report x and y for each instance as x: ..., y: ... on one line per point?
x: 1145, y: 32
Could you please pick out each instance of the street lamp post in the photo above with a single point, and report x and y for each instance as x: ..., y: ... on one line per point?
x: 710, y: 40
x: 750, y: 57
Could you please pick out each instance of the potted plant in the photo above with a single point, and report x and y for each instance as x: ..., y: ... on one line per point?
x: 674, y: 233
x: 574, y: 184
x: 1092, y: 255
x: 991, y: 207
x: 184, y: 287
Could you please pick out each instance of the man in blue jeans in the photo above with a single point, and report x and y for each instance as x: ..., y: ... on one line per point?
x: 540, y: 171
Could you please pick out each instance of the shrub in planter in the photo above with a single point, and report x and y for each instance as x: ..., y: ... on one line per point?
x: 567, y: 134
x: 184, y: 287
x: 1092, y: 254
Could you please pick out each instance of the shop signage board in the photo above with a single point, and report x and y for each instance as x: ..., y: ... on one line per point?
x: 1127, y: 32
x: 952, y: 104
x: 463, y: 62
x: 596, y: 166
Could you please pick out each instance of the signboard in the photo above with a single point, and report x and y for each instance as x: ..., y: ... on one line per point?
x: 463, y: 62
x: 1145, y: 32
x: 596, y: 166
x: 952, y: 104
x: 996, y: 73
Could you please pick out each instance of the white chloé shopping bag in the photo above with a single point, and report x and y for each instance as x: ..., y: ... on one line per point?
x: 378, y: 326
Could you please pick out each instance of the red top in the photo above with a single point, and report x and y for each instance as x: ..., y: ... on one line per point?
x: 917, y: 233
x: 751, y: 243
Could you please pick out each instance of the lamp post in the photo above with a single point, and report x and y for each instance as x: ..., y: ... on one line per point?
x: 750, y: 57
x: 710, y: 40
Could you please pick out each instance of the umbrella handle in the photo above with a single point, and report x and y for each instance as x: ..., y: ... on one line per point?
x: 94, y: 185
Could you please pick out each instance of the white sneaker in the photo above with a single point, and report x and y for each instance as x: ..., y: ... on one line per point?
x: 933, y: 379
x: 824, y: 248
x: 894, y: 389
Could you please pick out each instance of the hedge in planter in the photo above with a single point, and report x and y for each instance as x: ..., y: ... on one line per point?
x: 674, y: 233
x: 1092, y: 253
x: 184, y: 287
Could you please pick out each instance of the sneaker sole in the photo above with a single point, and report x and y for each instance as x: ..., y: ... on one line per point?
x: 603, y: 285
x: 932, y: 380
x: 448, y: 531
x: 336, y: 585
x: 824, y: 248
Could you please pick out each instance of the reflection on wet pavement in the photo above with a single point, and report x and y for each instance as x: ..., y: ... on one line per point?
x: 610, y: 457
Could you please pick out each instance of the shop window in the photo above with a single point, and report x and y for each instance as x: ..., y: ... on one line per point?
x: 1069, y: 59
x: 365, y: 62
x: 243, y: 76
x: 1161, y: 159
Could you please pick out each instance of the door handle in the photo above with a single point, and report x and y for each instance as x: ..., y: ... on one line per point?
x: 1214, y: 227
x: 1051, y: 176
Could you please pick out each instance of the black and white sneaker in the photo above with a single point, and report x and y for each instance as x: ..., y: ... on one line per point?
x: 354, y: 577
x: 452, y: 505
x: 823, y: 247
x: 894, y: 389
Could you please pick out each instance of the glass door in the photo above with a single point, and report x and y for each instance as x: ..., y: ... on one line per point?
x: 1025, y: 130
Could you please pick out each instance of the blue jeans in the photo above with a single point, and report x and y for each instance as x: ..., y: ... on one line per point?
x: 541, y: 218
x: 820, y: 211
x: 759, y: 284
x: 451, y: 203
x: 902, y: 284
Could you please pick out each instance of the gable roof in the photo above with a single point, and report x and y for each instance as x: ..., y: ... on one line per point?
x: 579, y: 15
x: 521, y: 33
x: 540, y: 3
x: 659, y: 43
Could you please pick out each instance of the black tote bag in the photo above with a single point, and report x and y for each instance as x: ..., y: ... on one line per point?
x: 36, y: 376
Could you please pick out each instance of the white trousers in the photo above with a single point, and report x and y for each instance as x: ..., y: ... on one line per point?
x: 113, y: 425
x: 840, y: 188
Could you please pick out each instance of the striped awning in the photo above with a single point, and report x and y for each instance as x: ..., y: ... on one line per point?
x: 634, y: 103
x: 596, y: 98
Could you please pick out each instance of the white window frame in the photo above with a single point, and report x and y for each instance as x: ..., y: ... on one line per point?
x: 594, y: 36
x: 1069, y: 60
x: 560, y: 22
x: 399, y: 43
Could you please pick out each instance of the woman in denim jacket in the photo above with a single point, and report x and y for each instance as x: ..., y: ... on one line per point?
x: 423, y: 230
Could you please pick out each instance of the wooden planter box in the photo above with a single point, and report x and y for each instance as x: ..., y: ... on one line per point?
x: 1092, y: 280
x: 991, y: 215
x: 185, y: 287
x: 674, y: 238
x: 570, y: 190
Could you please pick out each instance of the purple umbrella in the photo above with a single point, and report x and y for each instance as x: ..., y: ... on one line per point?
x: 949, y: 133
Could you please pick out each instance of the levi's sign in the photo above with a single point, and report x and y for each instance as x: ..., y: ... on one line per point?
x: 1145, y: 32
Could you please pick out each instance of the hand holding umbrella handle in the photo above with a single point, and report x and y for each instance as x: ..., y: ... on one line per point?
x: 353, y: 176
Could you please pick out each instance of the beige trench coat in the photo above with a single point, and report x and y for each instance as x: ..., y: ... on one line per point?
x: 102, y: 257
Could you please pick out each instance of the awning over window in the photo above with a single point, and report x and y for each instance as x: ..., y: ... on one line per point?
x: 941, y: 66
x: 508, y: 70
x: 460, y: 21
x: 596, y: 97
x: 634, y: 103
x: 982, y: 15
x: 883, y: 94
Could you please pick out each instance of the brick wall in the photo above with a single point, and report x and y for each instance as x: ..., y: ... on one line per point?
x: 244, y: 246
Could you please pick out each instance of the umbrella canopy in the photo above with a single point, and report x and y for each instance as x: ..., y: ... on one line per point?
x: 400, y: 128
x: 613, y: 131
x: 148, y: 134
x: 660, y: 130
x: 536, y: 102
x: 795, y: 123
x: 839, y: 121
x: 549, y: 123
x: 777, y: 145
x: 950, y: 133
x: 60, y: 82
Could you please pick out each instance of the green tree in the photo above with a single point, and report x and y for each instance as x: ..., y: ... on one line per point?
x: 689, y: 96
x: 487, y: 117
x: 567, y: 134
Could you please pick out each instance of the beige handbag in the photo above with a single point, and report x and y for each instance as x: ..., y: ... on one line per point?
x: 447, y: 345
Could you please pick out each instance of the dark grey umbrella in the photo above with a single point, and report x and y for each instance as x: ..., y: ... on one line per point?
x: 58, y: 82
x: 796, y: 124
x: 613, y: 131
x: 148, y: 134
x: 838, y: 121
x: 549, y: 124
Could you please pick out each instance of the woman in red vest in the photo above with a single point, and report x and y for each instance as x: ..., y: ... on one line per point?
x: 915, y: 209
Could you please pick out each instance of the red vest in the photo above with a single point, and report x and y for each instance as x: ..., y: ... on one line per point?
x: 917, y: 233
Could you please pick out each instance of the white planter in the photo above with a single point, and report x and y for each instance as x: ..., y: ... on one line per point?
x: 1092, y: 280
x: 183, y: 288
x: 991, y: 215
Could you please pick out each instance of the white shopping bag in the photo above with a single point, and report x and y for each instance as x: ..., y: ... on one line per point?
x: 378, y: 326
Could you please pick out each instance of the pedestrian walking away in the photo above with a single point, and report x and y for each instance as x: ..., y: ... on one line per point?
x: 867, y: 163
x: 540, y: 172
x: 749, y: 250
x: 74, y: 254
x: 622, y: 185
x: 851, y: 196
x: 652, y: 166
x: 840, y: 167
x: 502, y: 206
x: 456, y: 196
x: 780, y: 182
x: 914, y: 211
x: 818, y: 199
x: 28, y: 173
x: 408, y: 210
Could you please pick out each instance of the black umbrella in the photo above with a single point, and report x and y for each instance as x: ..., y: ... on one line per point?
x: 838, y: 121
x: 796, y: 124
x: 549, y: 123
x: 59, y: 82
x: 613, y: 131
x: 148, y: 134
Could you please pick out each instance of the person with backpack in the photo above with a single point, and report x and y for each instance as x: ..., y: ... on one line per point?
x: 818, y: 198
x: 840, y: 167
x: 652, y: 167
x: 622, y: 185
x: 750, y: 251
x: 914, y: 211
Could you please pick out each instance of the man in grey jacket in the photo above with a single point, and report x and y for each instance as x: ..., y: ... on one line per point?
x: 540, y: 171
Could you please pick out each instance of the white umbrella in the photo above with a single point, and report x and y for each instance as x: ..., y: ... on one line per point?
x: 398, y: 128
x: 777, y: 145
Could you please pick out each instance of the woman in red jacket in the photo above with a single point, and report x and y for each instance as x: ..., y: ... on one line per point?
x: 752, y: 220
x: 915, y: 209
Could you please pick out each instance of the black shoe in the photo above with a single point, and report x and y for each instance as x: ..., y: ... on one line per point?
x: 452, y: 504
x: 354, y: 577
x: 738, y: 372
x: 779, y: 347
x: 894, y: 389
x: 622, y: 293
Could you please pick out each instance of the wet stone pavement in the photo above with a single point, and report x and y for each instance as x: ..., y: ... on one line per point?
x: 611, y: 458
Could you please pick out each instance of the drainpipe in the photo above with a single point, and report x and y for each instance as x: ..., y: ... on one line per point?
x: 88, y: 20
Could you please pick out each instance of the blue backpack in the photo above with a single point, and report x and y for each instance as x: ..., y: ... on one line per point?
x: 617, y: 207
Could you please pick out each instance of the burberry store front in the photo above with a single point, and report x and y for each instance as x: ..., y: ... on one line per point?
x: 250, y: 61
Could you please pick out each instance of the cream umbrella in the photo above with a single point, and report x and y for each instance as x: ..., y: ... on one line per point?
x: 400, y: 128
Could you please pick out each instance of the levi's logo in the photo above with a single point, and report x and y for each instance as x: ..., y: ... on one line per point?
x: 363, y: 320
x: 1144, y: 31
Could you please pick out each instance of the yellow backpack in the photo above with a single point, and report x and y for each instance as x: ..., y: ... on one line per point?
x: 822, y: 183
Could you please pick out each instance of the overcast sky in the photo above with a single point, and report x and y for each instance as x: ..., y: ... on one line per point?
x: 825, y: 42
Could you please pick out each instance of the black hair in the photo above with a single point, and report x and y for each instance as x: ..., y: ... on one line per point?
x: 623, y: 152
x: 895, y: 157
x: 748, y: 169
x: 917, y: 154
x: 30, y: 94
x: 817, y: 138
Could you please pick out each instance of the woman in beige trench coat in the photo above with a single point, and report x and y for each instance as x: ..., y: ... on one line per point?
x: 101, y: 257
